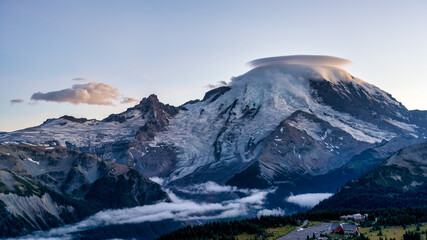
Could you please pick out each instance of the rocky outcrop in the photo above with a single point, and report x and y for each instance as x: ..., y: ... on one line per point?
x: 157, y: 115
x: 303, y: 144
x: 45, y: 187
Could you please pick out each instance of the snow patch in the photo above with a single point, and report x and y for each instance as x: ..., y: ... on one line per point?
x: 396, y: 177
x: 31, y: 160
x: 158, y: 180
x: 415, y: 183
x: 402, y: 125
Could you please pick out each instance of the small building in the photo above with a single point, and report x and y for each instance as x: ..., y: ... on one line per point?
x: 350, y: 229
x: 346, y: 229
x: 333, y: 226
x: 355, y: 217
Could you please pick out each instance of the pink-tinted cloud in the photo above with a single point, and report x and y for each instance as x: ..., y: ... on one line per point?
x: 126, y: 100
x: 316, y: 60
x: 92, y: 93
x: 79, y: 79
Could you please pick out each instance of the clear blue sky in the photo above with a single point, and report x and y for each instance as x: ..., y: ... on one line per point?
x: 176, y: 48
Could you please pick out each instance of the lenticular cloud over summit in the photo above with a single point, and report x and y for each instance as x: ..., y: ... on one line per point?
x: 316, y: 60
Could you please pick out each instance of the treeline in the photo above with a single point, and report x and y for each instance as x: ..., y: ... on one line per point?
x: 412, y: 236
x: 228, y: 229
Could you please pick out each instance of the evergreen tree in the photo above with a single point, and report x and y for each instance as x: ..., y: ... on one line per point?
x: 411, y: 236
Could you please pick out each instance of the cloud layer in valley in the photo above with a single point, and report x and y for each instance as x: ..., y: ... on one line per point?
x: 92, y: 93
x: 179, y: 210
x: 308, y: 200
x: 316, y: 60
x: 274, y: 212
x: 212, y: 187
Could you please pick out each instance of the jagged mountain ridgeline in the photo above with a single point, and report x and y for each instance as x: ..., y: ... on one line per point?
x: 274, y: 123
x: 299, y: 126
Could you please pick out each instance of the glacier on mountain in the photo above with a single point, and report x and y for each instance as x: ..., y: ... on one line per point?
x: 274, y: 92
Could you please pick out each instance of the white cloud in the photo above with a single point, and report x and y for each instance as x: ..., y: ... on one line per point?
x: 256, y: 197
x: 211, y: 187
x: 219, y: 84
x: 267, y: 212
x: 308, y: 199
x: 126, y: 100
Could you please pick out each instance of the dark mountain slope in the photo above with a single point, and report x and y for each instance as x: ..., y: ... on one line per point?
x: 398, y: 182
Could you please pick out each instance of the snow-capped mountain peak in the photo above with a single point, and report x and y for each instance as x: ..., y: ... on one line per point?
x: 286, y: 116
x: 227, y: 127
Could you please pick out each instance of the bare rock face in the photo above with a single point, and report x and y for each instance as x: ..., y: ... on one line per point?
x: 45, y: 187
x: 157, y: 115
x: 303, y: 144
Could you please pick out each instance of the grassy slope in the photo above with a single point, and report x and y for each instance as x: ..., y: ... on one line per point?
x: 274, y: 233
x: 392, y: 232
x: 313, y: 223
